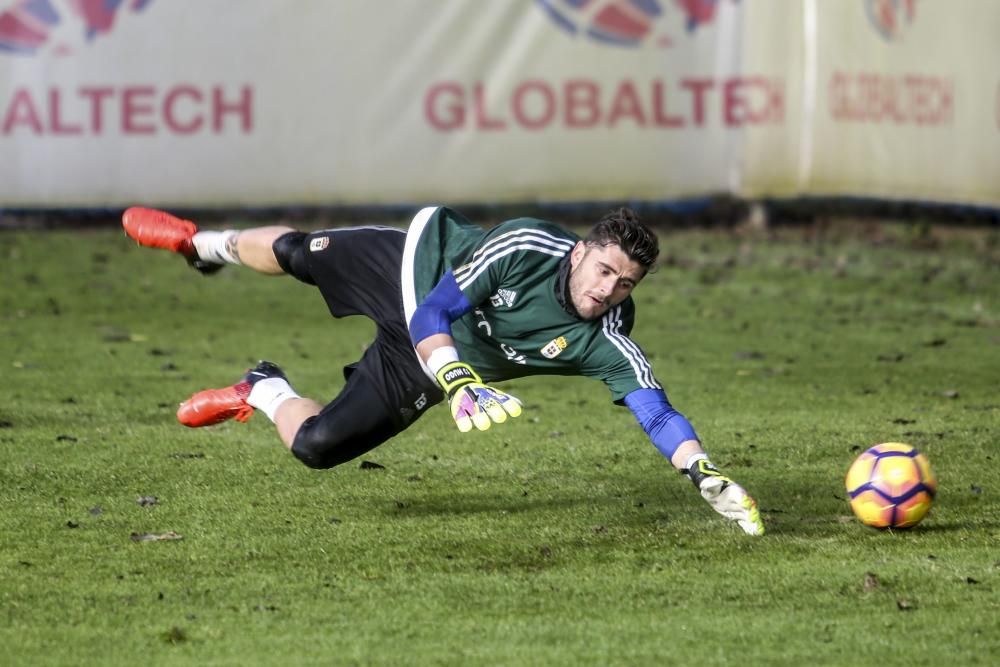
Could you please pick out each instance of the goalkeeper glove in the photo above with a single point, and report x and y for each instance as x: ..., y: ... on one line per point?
x: 472, y: 402
x: 725, y: 496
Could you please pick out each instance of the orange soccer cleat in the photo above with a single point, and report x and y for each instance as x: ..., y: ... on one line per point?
x: 214, y: 406
x: 158, y: 229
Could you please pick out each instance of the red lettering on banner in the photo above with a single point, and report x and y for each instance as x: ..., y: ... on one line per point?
x: 451, y: 114
x: 586, y: 104
x: 97, y: 97
x: 483, y: 122
x: 698, y: 87
x: 55, y: 117
x: 135, y: 109
x: 170, y: 111
x: 626, y: 104
x: 902, y: 100
x: 582, y: 108
x: 142, y: 110
x: 661, y: 118
x: 548, y: 101
x: 751, y: 101
x: 22, y: 111
x: 735, y: 103
x: 242, y: 107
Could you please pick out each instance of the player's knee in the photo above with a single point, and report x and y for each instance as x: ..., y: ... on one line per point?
x: 290, y: 251
x: 320, y: 444
x: 315, y: 459
x: 314, y: 452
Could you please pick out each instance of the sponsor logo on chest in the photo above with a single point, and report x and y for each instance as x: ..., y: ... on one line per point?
x: 554, y: 347
x: 503, y: 297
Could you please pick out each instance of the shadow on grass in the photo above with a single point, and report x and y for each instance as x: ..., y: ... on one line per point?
x: 647, y: 503
x: 624, y: 506
x: 470, y: 503
x: 641, y: 502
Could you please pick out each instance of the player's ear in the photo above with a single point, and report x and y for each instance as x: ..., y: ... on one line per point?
x: 576, y: 254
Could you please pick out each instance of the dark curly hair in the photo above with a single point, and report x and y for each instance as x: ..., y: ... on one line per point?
x: 624, y: 229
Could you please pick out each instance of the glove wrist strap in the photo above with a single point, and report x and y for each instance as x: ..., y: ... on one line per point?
x: 455, y: 375
x: 702, y: 470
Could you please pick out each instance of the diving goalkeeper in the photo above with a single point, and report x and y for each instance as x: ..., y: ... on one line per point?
x: 457, y: 308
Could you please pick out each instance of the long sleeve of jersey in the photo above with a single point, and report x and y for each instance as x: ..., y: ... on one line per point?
x: 666, y: 427
x: 445, y: 304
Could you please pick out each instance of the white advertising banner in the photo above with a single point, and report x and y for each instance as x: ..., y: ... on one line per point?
x: 905, y: 101
x: 268, y: 102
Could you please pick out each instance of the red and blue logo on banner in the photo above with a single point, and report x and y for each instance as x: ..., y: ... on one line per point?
x: 623, y: 22
x: 27, y: 26
x: 891, y: 17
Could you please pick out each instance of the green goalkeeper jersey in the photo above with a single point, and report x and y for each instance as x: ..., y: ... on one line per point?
x: 514, y: 276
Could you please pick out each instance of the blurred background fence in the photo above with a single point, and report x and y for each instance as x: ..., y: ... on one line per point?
x: 691, y: 107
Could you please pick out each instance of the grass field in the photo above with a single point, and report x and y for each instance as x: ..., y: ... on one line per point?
x: 562, y: 538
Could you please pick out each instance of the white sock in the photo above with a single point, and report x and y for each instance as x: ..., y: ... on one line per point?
x: 266, y: 395
x: 214, y: 246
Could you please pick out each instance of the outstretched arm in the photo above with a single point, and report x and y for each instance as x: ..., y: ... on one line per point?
x: 472, y: 402
x: 672, y: 434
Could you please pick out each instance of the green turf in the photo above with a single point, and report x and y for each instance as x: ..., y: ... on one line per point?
x: 562, y: 538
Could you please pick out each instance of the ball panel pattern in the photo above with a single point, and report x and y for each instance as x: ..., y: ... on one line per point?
x: 890, y: 485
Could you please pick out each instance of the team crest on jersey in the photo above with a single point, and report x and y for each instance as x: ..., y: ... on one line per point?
x: 503, y: 297
x: 552, y: 350
x: 319, y: 243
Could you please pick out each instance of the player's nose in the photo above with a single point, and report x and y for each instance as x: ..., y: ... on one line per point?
x: 607, y: 286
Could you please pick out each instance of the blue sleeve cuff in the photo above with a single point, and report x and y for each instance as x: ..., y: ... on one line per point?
x: 445, y: 304
x: 666, y: 427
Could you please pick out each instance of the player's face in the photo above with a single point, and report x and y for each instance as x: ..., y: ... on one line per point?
x: 601, y: 277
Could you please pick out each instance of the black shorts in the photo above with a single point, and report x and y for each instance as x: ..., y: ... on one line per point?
x: 357, y: 270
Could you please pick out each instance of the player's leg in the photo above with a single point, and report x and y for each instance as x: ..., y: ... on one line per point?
x: 214, y: 406
x: 359, y: 419
x: 253, y: 248
x: 357, y: 273
x: 207, y: 251
x: 264, y: 387
x: 290, y: 416
x: 355, y: 422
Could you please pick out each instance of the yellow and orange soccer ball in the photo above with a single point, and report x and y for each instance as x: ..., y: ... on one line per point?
x: 891, y: 485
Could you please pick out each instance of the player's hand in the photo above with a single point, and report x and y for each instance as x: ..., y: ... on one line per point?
x: 726, y: 497
x: 472, y: 402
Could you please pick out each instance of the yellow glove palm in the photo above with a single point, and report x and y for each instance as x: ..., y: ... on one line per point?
x: 472, y: 402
